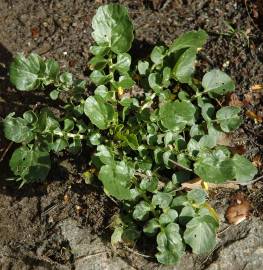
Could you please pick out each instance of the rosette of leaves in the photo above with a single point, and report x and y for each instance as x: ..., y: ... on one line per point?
x: 143, y: 147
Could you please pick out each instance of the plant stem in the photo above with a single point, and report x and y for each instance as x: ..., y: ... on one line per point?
x: 69, y: 135
x: 145, y: 105
x: 179, y: 165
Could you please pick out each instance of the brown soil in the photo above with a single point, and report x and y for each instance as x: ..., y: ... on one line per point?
x: 61, y: 30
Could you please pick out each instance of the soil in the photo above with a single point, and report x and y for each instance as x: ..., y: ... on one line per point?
x: 63, y: 223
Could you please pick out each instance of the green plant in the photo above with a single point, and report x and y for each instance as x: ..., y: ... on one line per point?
x: 143, y: 145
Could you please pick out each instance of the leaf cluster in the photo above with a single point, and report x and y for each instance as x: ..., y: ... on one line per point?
x: 144, y: 146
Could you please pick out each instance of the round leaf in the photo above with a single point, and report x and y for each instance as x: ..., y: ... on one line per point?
x: 116, y: 180
x: 16, y: 129
x: 30, y: 164
x: 123, y: 63
x: 244, y: 169
x: 113, y: 28
x: 24, y: 72
x: 141, y: 210
x: 169, y: 245
x: 216, y: 82
x: 212, y: 167
x: 173, y: 114
x: 200, y: 234
x: 99, y: 112
x: 228, y: 118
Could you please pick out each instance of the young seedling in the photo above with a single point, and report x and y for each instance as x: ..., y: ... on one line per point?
x: 145, y: 145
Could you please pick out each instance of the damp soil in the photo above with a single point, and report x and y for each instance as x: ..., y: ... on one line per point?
x: 30, y: 233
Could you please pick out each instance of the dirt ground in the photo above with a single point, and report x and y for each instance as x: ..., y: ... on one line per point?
x: 63, y: 223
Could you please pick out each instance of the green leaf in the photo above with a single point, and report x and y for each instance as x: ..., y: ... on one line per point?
x: 30, y: 117
x: 98, y: 77
x: 162, y: 199
x: 180, y: 200
x: 157, y: 54
x: 116, y: 237
x: 207, y: 141
x: 130, y: 233
x: 103, y: 91
x: 25, y: 72
x: 193, y: 147
x: 208, y: 111
x: 132, y: 141
x: 54, y: 94
x: 155, y: 82
x: 168, y: 216
x: 200, y: 234
x: 99, y: 50
x: 172, y: 114
x: 66, y: 78
x: 182, y: 95
x: 68, y: 124
x: 123, y: 63
x: 151, y: 227
x: 244, y: 169
x: 169, y: 245
x: 216, y: 82
x: 46, y: 121
x: 141, y: 210
x: 228, y: 118
x: 196, y: 131
x: 214, y: 167
x: 113, y: 28
x: 186, y: 214
x: 75, y: 147
x: 197, y: 196
x: 150, y: 184
x: 192, y: 39
x: 185, y: 66
x: 100, y: 113
x: 16, y: 129
x: 30, y: 164
x: 183, y: 160
x: 97, y: 62
x: 95, y: 138
x: 116, y: 179
x: 51, y: 71
x: 125, y: 82
x: 143, y: 67
x: 105, y: 155
x: 59, y: 145
x: 166, y: 76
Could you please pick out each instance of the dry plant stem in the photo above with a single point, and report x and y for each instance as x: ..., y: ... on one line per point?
x: 137, y: 253
x: 179, y: 165
x: 6, y: 151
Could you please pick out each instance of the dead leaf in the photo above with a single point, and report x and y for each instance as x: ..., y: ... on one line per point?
x: 256, y: 87
x: 194, y: 183
x: 227, y: 185
x: 252, y: 98
x: 224, y: 139
x: 233, y: 100
x: 35, y: 32
x: 238, y: 149
x: 238, y: 210
x: 257, y: 161
x: 252, y: 115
